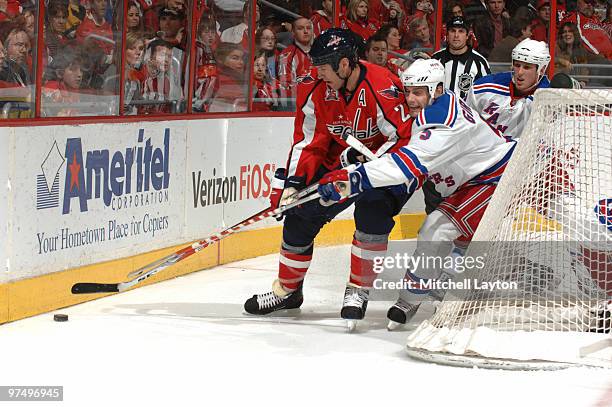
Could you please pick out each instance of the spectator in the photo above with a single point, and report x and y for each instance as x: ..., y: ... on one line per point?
x: 387, y: 12
x: 323, y: 19
x: 230, y: 92
x: 294, y: 61
x: 94, y: 65
x: 539, y: 26
x: 97, y: 30
x: 394, y: 60
x: 134, y: 18
x: 569, y: 50
x: 135, y: 73
x: 265, y: 40
x: 206, y: 66
x: 453, y: 9
x: 264, y: 90
x: 520, y: 29
x: 376, y: 50
x: 17, y: 45
x: 61, y: 91
x: 422, y: 37
x: 29, y: 20
x: 55, y: 34
x: 462, y: 65
x: 239, y: 34
x: 172, y: 27
x: 423, y: 9
x: 492, y: 27
x: 357, y: 19
x: 162, y: 83
x: 592, y: 32
x: 456, y: 9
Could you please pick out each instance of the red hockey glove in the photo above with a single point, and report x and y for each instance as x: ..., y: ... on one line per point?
x: 339, y: 185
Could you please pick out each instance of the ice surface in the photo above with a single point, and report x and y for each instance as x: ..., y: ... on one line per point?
x: 186, y: 342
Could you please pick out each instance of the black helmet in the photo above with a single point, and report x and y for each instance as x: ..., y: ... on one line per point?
x: 334, y: 44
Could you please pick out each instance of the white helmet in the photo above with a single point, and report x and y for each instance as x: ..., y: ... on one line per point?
x: 533, y: 52
x: 424, y: 72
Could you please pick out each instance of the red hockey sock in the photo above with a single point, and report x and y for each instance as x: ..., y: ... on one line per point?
x: 362, y: 261
x: 292, y: 269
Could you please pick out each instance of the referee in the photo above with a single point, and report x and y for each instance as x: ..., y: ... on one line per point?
x: 462, y: 64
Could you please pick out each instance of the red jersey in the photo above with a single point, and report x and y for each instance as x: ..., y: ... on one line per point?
x: 101, y: 34
x: 380, y: 12
x: 55, y: 94
x: 293, y: 63
x: 375, y: 113
x: 364, y: 28
x: 539, y: 30
x: 320, y: 22
x: 592, y: 33
x: 265, y: 94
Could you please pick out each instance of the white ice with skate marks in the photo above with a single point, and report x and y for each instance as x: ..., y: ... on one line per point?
x: 186, y: 342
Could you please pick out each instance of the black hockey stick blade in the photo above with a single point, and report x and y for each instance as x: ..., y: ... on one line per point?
x: 92, y: 288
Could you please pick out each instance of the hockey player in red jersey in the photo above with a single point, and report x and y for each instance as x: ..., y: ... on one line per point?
x: 340, y: 95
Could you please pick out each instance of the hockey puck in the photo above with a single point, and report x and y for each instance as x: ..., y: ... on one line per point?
x: 60, y: 317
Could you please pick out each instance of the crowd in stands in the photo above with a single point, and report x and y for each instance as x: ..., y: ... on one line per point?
x: 82, y: 47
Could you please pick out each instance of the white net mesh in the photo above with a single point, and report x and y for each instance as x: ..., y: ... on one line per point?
x: 549, y: 229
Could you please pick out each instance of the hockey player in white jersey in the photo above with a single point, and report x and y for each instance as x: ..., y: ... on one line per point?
x: 504, y: 99
x: 450, y: 145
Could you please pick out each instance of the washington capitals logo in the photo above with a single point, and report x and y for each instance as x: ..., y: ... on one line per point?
x: 390, y: 93
x: 306, y: 78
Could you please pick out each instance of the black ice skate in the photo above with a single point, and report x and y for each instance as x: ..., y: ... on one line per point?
x: 400, y: 313
x: 354, y: 305
x: 275, y: 300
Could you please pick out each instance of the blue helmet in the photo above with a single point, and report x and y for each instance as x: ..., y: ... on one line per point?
x: 334, y: 44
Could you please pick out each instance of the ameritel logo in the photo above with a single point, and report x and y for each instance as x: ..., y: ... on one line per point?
x: 136, y: 176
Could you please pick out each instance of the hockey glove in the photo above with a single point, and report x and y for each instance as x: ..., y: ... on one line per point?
x: 351, y: 156
x: 282, y: 190
x: 278, y: 185
x: 339, y: 185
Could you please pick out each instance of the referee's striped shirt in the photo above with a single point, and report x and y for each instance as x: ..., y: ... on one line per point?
x: 462, y: 70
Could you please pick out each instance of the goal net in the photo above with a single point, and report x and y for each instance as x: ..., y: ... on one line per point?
x: 548, y: 229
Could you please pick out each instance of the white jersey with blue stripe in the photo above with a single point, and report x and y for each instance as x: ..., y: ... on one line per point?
x: 491, y: 97
x: 451, y: 145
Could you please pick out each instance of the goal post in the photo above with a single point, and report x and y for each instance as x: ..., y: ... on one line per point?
x: 548, y: 228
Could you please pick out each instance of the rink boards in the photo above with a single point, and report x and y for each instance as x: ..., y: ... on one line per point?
x: 93, y: 202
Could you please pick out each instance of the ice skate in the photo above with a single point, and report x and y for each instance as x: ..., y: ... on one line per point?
x: 354, y: 305
x: 400, y: 313
x: 275, y: 300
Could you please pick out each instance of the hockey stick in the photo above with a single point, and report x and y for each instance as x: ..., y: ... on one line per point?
x: 296, y: 196
x: 159, y: 265
x: 358, y: 145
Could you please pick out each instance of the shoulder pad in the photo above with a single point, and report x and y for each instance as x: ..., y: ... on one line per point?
x: 498, y: 83
x: 443, y: 112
